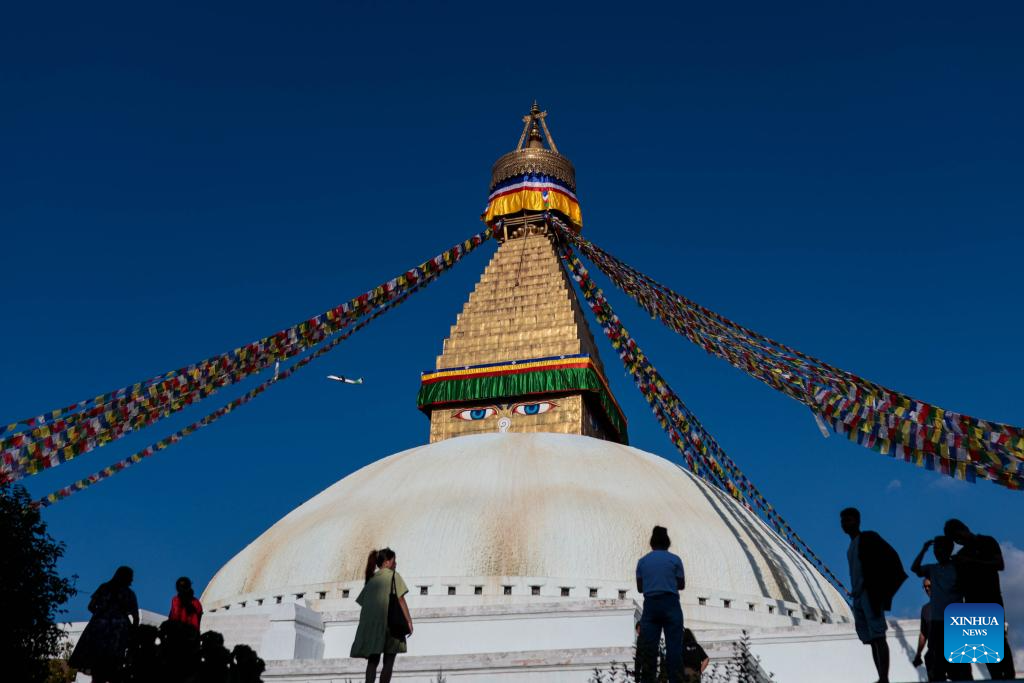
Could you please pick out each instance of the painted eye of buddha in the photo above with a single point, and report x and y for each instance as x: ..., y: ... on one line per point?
x: 474, y: 414
x: 533, y: 408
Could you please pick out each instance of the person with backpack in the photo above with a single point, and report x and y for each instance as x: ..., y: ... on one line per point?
x: 382, y: 629
x: 876, y: 573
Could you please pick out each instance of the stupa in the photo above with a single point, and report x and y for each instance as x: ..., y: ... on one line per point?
x: 521, y: 521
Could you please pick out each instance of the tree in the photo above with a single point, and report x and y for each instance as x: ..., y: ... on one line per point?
x: 31, y: 591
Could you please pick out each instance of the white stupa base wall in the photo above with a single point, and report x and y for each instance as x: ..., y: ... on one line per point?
x: 565, y: 640
x: 828, y: 653
x: 549, y: 642
x: 482, y: 629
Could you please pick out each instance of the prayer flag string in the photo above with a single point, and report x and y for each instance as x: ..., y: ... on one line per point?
x: 869, y: 414
x: 702, y: 453
x: 167, y: 442
x: 65, y: 433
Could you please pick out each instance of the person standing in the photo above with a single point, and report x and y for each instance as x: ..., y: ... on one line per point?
x: 638, y: 667
x: 945, y: 590
x: 103, y: 645
x: 926, y: 618
x: 185, y: 606
x: 660, y: 577
x: 978, y: 564
x: 373, y: 638
x: 876, y: 573
x: 695, y: 660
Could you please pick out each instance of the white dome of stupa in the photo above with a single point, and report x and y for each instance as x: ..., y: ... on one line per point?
x: 490, y: 511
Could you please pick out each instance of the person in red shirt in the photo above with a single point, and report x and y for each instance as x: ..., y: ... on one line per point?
x: 185, y: 606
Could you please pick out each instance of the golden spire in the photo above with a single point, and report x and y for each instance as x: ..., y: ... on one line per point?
x: 530, y: 123
x: 520, y: 356
x: 535, y: 140
x: 531, y: 155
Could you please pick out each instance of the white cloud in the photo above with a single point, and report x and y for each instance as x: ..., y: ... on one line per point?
x: 944, y: 483
x: 893, y: 485
x: 1012, y: 583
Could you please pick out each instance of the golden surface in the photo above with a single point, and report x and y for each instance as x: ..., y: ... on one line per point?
x: 523, y: 307
x: 534, y: 160
x: 566, y: 417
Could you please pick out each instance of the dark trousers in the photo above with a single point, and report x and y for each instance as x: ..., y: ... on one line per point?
x: 662, y: 614
x: 1004, y: 670
x: 939, y: 667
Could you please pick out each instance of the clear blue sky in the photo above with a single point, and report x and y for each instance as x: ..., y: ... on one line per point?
x: 180, y: 179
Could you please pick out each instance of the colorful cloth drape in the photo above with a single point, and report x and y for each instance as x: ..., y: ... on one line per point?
x: 65, y: 433
x: 702, y: 453
x: 532, y: 192
x: 521, y: 378
x: 174, y: 438
x: 869, y: 414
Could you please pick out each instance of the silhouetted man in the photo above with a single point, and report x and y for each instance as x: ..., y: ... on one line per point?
x: 876, y: 573
x: 926, y: 618
x: 944, y: 590
x: 978, y: 565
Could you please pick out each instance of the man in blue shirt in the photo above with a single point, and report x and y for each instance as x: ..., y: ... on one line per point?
x: 660, y: 577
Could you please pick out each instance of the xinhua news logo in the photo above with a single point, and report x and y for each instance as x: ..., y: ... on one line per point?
x: 973, y: 633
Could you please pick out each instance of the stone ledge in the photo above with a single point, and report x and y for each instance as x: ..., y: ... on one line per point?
x: 504, y: 610
x: 496, y: 662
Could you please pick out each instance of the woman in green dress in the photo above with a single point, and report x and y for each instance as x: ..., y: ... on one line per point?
x: 372, y: 637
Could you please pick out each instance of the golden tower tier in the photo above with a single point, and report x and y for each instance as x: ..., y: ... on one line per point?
x: 520, y: 357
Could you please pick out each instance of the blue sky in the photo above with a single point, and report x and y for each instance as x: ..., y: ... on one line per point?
x: 178, y: 180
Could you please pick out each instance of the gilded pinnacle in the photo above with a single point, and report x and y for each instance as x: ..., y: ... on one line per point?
x: 532, y: 155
